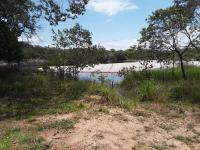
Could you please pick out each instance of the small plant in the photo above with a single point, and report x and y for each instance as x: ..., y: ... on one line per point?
x: 104, y: 110
x: 73, y: 90
x: 59, y: 125
x: 23, y: 140
x: 179, y: 92
x: 167, y: 127
x: 162, y: 146
x: 147, y: 91
x: 187, y: 140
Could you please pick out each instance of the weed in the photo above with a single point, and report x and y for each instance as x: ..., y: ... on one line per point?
x: 141, y: 113
x: 162, y: 146
x: 58, y: 109
x: 15, y: 138
x: 167, y: 127
x: 104, y: 110
x: 112, y: 96
x: 59, y: 125
x: 187, y: 140
x: 147, y: 91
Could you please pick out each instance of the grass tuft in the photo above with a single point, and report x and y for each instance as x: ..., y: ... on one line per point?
x: 15, y: 138
x: 59, y: 125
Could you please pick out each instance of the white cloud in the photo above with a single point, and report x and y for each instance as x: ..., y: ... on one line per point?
x: 121, y: 44
x: 111, y: 7
x: 35, y: 39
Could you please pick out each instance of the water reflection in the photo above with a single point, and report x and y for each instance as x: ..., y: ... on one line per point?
x: 101, y: 77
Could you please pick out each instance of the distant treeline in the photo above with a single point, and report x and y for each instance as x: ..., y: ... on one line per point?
x: 101, y: 55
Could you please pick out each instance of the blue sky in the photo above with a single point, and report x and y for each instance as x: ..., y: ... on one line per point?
x: 113, y: 23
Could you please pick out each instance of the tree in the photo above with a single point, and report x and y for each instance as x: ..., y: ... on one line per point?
x: 9, y: 47
x: 76, y: 47
x: 175, y: 29
x: 20, y: 17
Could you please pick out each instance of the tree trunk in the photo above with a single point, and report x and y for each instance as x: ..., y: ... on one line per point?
x: 182, y: 66
x: 173, y: 67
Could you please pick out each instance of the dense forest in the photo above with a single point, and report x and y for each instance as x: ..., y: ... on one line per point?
x: 107, y: 56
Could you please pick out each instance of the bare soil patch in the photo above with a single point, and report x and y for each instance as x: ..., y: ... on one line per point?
x: 121, y: 130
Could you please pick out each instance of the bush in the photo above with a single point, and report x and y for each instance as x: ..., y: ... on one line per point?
x: 148, y: 91
x: 188, y: 90
x: 159, y: 75
x: 179, y: 92
x: 74, y: 89
x: 112, y: 96
x: 195, y: 93
x: 27, y: 85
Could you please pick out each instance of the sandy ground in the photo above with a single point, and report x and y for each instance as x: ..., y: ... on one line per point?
x: 117, y: 129
x: 121, y: 130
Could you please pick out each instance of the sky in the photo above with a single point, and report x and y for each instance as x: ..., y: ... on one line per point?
x: 114, y: 24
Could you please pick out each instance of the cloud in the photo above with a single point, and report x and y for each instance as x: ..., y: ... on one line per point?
x: 35, y: 39
x: 111, y: 7
x: 121, y: 44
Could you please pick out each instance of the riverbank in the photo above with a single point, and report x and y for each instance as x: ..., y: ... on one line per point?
x: 39, y: 111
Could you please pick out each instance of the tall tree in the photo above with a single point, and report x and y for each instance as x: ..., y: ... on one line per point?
x: 9, y: 47
x: 175, y: 29
x: 76, y: 45
x: 20, y: 17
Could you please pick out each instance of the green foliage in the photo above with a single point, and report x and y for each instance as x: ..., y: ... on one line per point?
x: 9, y: 47
x: 165, y: 27
x: 49, y: 109
x: 23, y: 94
x: 74, y: 89
x: 112, y: 96
x: 186, y: 90
x: 21, y: 16
x: 21, y: 85
x: 76, y: 48
x: 148, y: 91
x: 187, y: 140
x: 24, y: 140
x: 179, y: 92
x: 162, y: 85
x: 76, y: 37
x: 160, y: 75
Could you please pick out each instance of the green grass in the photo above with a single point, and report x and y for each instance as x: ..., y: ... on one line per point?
x: 34, y: 107
x: 59, y: 125
x: 161, y: 146
x: 162, y: 86
x: 15, y: 138
x: 163, y: 75
x: 187, y: 140
x: 62, y: 108
x: 112, y: 96
x: 29, y: 93
x: 168, y: 127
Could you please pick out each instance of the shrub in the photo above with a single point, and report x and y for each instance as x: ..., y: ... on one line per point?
x: 74, y: 89
x: 62, y: 124
x: 179, y: 92
x: 188, y: 90
x: 111, y: 96
x: 147, y: 91
x: 194, y: 93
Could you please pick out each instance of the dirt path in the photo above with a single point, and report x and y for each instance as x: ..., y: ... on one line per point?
x: 120, y: 130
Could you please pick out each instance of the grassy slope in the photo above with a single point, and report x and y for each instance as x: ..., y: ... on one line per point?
x: 28, y: 95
